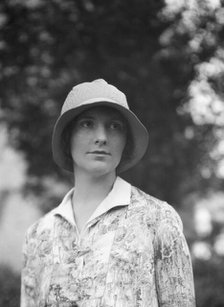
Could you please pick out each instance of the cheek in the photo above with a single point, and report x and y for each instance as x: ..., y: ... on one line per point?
x: 119, y: 144
x: 78, y: 141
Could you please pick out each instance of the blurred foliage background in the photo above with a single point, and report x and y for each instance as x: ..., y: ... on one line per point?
x: 168, y: 57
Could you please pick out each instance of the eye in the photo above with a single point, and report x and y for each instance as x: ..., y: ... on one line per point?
x: 86, y: 123
x: 117, y: 125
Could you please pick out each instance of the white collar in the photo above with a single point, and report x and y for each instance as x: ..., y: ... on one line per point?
x: 120, y: 195
x: 65, y: 208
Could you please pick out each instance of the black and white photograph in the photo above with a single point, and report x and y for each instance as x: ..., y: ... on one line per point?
x: 112, y: 153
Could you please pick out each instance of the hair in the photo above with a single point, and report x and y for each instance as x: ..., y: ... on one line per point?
x: 66, y: 139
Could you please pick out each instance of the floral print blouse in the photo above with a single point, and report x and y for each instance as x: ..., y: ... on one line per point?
x: 131, y: 253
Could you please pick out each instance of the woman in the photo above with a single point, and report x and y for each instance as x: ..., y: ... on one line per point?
x: 107, y: 243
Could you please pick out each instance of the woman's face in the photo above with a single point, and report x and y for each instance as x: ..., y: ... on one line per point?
x: 97, y: 141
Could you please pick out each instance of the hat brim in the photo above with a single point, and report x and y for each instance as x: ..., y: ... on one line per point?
x: 138, y: 131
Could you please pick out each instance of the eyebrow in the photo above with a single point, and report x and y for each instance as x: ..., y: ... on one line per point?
x: 81, y: 116
x: 115, y: 117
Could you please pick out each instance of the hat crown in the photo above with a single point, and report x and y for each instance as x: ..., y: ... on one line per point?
x: 90, y: 92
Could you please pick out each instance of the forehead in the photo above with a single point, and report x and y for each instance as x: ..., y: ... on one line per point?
x: 102, y: 111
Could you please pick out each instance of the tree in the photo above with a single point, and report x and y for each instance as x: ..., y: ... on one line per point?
x: 142, y: 47
x: 164, y: 56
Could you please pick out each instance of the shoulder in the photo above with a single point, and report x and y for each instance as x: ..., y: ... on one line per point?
x: 38, y: 241
x: 156, y: 211
x: 43, y: 226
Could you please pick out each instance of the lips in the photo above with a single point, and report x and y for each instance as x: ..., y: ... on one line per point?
x: 99, y: 152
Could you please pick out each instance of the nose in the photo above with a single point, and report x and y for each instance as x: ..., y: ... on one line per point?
x: 101, y: 135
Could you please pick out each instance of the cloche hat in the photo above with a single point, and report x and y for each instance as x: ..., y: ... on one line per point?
x: 91, y: 94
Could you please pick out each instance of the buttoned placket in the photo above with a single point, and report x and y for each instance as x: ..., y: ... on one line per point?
x: 80, y: 245
x: 81, y: 249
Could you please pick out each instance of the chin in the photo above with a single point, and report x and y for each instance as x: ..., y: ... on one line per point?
x: 101, y: 170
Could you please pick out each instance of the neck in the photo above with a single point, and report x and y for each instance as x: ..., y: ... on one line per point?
x: 91, y: 190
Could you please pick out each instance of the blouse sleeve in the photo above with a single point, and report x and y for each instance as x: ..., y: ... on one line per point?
x: 28, y: 278
x: 174, y: 276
